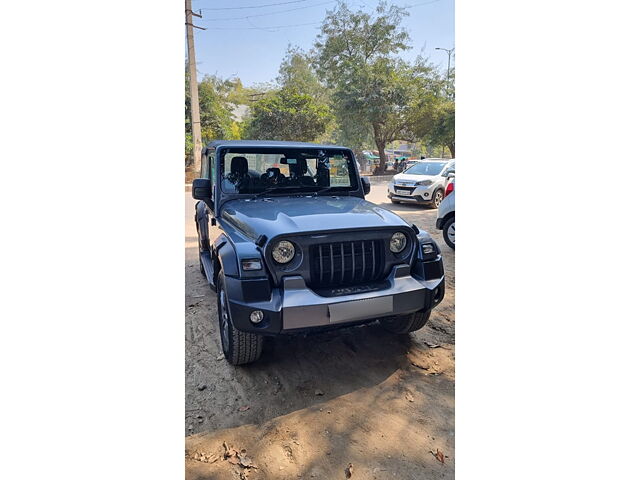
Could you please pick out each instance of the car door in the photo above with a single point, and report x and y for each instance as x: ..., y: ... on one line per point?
x: 204, y: 214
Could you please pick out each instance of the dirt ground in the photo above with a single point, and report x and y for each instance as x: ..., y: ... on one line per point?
x: 315, y: 405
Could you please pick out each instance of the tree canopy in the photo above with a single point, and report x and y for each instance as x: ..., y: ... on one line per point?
x: 372, y: 85
x: 288, y: 115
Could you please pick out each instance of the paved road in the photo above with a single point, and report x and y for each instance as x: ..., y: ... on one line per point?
x: 390, y: 398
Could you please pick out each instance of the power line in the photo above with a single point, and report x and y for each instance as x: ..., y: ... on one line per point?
x: 256, y: 6
x: 264, y: 28
x: 271, y: 13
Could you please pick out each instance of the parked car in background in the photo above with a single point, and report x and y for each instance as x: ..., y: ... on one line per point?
x: 446, y: 220
x: 421, y: 183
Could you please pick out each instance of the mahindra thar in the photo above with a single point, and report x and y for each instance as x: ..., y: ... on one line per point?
x: 298, y: 248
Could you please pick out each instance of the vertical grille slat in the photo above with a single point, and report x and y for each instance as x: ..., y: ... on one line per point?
x: 353, y: 263
x: 341, y: 262
x: 331, y: 256
x: 373, y: 257
x: 366, y: 263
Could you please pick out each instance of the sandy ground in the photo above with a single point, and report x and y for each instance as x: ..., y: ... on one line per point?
x: 314, y: 405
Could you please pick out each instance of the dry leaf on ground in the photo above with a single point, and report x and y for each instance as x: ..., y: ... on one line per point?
x: 349, y: 470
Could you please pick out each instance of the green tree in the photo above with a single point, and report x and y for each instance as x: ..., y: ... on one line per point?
x: 357, y: 55
x: 296, y: 72
x: 215, y: 114
x: 288, y: 115
x: 433, y: 117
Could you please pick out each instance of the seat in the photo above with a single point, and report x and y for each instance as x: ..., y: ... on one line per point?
x: 299, y: 173
x: 239, y: 174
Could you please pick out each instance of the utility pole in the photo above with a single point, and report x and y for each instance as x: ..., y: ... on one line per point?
x: 193, y: 84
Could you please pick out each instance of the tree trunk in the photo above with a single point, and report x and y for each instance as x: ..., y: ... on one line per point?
x: 452, y: 149
x: 380, y: 143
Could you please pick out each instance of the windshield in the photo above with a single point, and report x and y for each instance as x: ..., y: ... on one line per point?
x: 255, y: 170
x: 425, y: 168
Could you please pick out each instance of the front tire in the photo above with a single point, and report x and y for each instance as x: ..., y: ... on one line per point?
x: 402, y: 324
x: 438, y: 196
x: 449, y: 232
x: 239, y: 348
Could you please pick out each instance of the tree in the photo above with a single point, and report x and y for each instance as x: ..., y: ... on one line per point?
x: 296, y: 72
x: 433, y: 118
x: 288, y: 115
x: 215, y: 114
x: 357, y: 56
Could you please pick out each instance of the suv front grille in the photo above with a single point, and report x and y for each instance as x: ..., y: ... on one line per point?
x: 346, y: 263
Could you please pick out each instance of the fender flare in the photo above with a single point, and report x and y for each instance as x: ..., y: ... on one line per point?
x: 224, y: 257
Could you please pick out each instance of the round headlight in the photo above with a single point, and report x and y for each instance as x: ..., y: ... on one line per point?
x: 283, y: 251
x: 398, y: 242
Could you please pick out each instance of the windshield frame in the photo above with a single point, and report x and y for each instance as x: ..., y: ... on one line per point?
x: 221, y: 196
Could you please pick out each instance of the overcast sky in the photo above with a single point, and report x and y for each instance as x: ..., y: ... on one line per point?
x: 252, y: 49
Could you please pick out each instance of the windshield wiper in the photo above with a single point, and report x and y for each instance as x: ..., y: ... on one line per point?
x: 269, y: 190
x: 322, y: 190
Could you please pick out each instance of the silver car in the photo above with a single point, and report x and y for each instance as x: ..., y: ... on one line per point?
x: 446, y: 220
x: 422, y: 183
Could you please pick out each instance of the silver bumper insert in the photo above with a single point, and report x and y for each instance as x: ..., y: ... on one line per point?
x: 303, y: 308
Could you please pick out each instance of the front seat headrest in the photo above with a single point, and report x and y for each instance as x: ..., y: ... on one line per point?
x: 239, y: 166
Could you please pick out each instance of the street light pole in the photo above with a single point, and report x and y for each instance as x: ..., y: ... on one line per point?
x: 449, y: 52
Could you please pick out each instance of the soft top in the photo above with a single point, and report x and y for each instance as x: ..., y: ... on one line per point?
x: 266, y: 143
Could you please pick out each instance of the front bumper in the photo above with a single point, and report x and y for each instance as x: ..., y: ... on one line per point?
x: 418, y: 193
x: 294, y: 307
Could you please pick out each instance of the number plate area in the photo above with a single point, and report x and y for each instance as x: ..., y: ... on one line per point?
x: 360, y: 309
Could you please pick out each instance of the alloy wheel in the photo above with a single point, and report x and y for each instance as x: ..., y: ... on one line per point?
x: 451, y: 232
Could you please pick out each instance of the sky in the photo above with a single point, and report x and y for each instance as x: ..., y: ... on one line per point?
x: 252, y: 49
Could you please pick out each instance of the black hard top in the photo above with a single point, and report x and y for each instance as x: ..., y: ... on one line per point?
x: 266, y: 143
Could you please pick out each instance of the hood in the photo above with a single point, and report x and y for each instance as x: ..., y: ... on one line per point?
x: 404, y: 177
x: 283, y: 215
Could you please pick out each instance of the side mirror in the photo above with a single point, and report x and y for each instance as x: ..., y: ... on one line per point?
x: 366, y: 185
x: 451, y: 175
x: 201, y: 190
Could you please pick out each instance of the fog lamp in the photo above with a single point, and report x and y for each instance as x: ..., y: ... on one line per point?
x: 256, y: 316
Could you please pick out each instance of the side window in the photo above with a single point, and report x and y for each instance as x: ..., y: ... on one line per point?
x: 203, y: 164
x: 212, y: 167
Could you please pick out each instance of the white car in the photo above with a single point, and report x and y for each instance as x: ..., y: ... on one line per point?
x: 422, y: 183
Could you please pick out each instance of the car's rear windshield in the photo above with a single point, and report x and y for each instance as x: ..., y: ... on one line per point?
x: 255, y: 170
x: 426, y: 168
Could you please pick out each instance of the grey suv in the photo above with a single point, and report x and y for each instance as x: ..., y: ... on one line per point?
x: 301, y: 249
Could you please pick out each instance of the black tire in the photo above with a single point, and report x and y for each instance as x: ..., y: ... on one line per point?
x: 239, y: 348
x: 402, y: 324
x: 199, y: 251
x: 437, y: 198
x: 449, y: 224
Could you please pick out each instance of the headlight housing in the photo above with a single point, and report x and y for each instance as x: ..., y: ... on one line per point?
x: 398, y: 242
x: 283, y: 251
x: 425, y: 183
